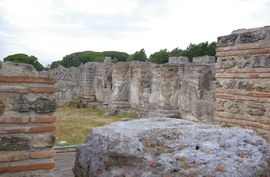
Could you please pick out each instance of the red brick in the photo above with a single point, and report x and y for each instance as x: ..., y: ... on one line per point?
x: 244, y: 70
x: 223, y: 96
x: 259, y: 52
x: 13, y: 156
x: 243, y: 75
x: 35, y: 166
x: 12, y: 120
x: 42, y: 154
x: 242, y: 122
x: 249, y: 46
x: 49, y: 119
x: 242, y: 117
x: 6, y: 130
x: 42, y: 128
x: 257, y: 94
x: 13, y: 89
x: 43, y: 89
x: 245, y: 96
x: 27, y: 79
x: 242, y: 52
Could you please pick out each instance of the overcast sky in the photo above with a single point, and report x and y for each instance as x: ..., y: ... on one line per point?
x: 50, y: 29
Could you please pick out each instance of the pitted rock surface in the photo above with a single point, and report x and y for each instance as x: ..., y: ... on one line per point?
x: 160, y: 147
x: 2, y: 105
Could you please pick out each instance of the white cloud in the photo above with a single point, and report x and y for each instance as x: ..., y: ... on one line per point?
x: 50, y: 29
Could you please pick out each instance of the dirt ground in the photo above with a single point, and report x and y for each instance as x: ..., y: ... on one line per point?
x: 73, y: 124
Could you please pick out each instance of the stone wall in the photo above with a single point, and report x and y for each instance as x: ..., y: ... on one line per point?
x: 69, y: 83
x: 243, y: 79
x: 175, y: 89
x: 26, y: 122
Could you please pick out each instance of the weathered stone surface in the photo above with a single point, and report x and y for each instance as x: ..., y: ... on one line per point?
x: 159, y: 147
x: 22, y: 105
x: 204, y: 60
x: 225, y: 63
x: 108, y: 60
x: 14, y: 143
x: 2, y: 105
x: 245, y: 36
x: 228, y: 40
x: 43, y: 105
x: 242, y: 79
x: 255, y: 109
x: 39, y: 105
x: 17, y: 69
x: 249, y: 37
x: 178, y: 60
x: 140, y: 85
x: 43, y: 140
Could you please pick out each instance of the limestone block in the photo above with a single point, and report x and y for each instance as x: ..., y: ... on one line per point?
x: 43, y: 140
x: 204, y: 60
x: 228, y: 40
x: 17, y: 69
x: 178, y: 60
x: 108, y: 60
x: 158, y: 147
x: 250, y: 37
x: 225, y: 63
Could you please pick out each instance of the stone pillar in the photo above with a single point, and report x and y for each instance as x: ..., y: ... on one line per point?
x: 243, y: 80
x: 195, y: 97
x: 140, y: 85
x: 87, y: 81
x: 168, y: 81
x: 27, y: 124
x: 120, y: 85
x: 155, y: 86
x: 103, y: 82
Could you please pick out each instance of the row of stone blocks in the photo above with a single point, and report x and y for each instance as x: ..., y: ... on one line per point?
x: 26, y: 125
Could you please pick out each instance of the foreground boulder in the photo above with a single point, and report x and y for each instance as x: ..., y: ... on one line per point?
x: 160, y: 147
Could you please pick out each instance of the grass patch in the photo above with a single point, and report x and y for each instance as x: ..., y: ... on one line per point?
x: 73, y: 124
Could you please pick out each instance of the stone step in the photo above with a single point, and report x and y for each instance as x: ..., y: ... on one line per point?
x: 168, y: 115
x: 166, y: 111
x: 119, y: 104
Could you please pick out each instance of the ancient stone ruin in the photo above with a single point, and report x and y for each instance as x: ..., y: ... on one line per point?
x: 231, y: 89
x: 175, y: 89
x: 172, y: 147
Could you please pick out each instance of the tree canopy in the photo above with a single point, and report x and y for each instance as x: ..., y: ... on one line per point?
x: 138, y: 56
x: 193, y: 50
x: 75, y: 59
x: 161, y: 56
x: 23, y: 58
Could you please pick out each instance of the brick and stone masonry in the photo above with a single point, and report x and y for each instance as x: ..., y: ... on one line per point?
x: 243, y: 79
x: 27, y: 124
